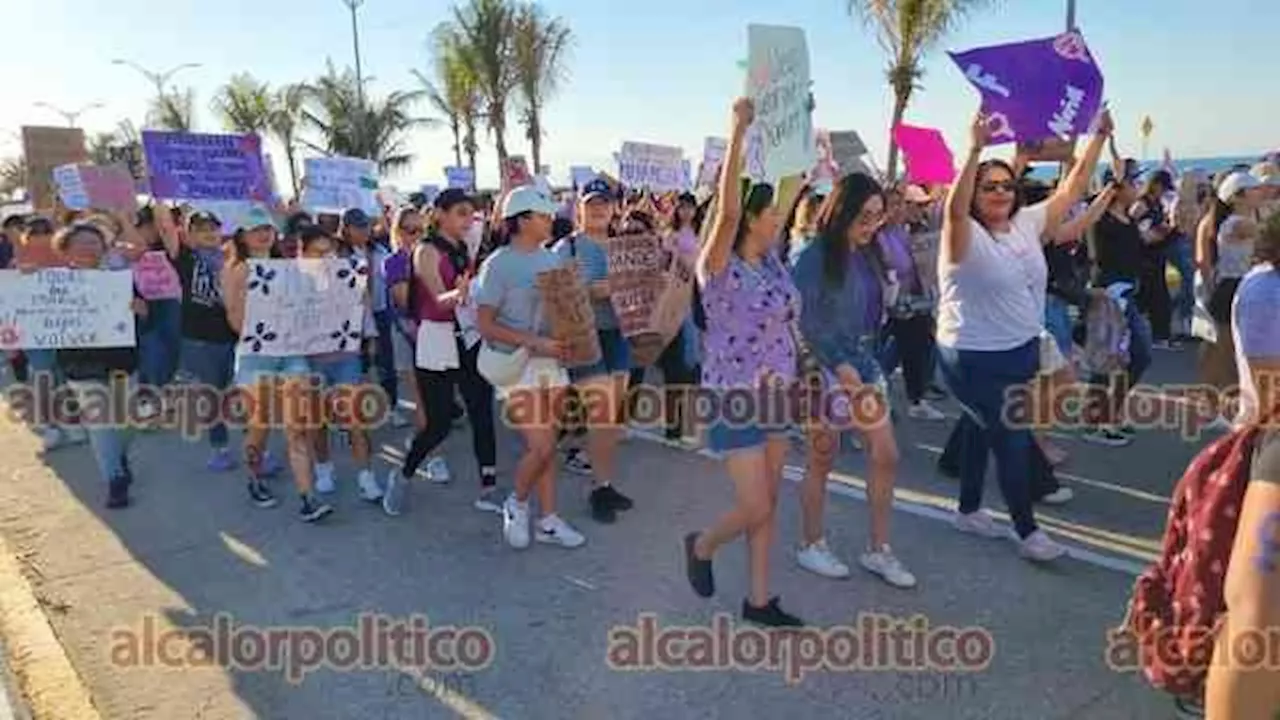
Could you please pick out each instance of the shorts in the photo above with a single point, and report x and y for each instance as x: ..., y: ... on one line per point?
x: 253, y: 369
x: 615, y: 358
x: 539, y: 372
x: 728, y: 432
x: 339, y: 371
x: 402, y: 349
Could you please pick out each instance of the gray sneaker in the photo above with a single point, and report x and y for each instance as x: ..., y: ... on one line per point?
x: 491, y: 499
x: 394, y: 494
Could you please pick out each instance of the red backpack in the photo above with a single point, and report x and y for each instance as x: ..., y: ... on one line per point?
x: 1177, y: 606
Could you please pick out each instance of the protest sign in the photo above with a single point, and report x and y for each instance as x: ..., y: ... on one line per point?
x: 924, y: 252
x: 101, y: 188
x: 1048, y: 150
x: 45, y: 148
x: 929, y: 160
x: 197, y: 166
x: 1036, y: 89
x: 155, y: 277
x: 847, y: 150
x: 778, y: 83
x: 676, y: 300
x: 635, y: 263
x: 825, y: 170
x: 580, y: 175
x: 657, y: 167
x: 303, y: 307
x: 713, y: 150
x: 460, y: 177
x: 516, y: 173
x: 567, y: 308
x: 336, y: 184
x: 430, y: 192
x: 63, y: 308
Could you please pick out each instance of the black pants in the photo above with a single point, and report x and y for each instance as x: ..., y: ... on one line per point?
x: 1154, y: 300
x: 1043, y: 479
x: 677, y: 378
x: 914, y: 336
x: 435, y: 391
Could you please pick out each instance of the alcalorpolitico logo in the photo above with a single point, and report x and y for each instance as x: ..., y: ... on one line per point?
x: 875, y: 643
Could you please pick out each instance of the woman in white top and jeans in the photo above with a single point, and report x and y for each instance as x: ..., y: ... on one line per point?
x: 992, y: 276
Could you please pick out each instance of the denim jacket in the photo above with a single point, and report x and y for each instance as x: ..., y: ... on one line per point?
x: 836, y: 323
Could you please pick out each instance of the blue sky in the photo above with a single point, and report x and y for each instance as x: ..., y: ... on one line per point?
x: 660, y: 71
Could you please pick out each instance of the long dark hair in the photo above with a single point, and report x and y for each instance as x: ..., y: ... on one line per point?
x: 984, y: 168
x: 236, y: 251
x: 836, y: 216
x: 756, y: 199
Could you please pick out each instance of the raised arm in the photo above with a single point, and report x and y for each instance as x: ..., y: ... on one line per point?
x: 168, y: 230
x: 728, y: 205
x: 1077, y: 182
x: 955, y: 217
x: 1075, y: 229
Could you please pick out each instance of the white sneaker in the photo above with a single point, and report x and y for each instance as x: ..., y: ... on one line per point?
x: 438, y: 471
x: 818, y: 559
x: 515, y: 523
x: 1061, y: 496
x: 554, y: 531
x: 370, y: 490
x: 324, y: 478
x: 977, y: 523
x: 924, y: 411
x: 882, y: 562
x: 51, y: 438
x: 1039, y: 547
x: 398, y: 420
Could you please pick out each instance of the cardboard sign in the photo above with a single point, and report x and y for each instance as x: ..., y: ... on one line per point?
x: 63, y: 308
x: 635, y: 265
x: 1049, y: 150
x: 713, y: 150
x: 198, y: 166
x: 567, y: 307
x: 44, y: 149
x: 84, y: 187
x: 657, y: 167
x: 778, y: 82
x: 303, y: 307
x: 156, y: 278
x: 337, y: 184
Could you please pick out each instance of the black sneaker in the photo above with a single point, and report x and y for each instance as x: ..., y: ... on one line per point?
x: 616, y: 499
x: 313, y: 509
x: 602, y: 509
x: 118, y: 493
x: 673, y: 434
x: 261, y: 495
x: 575, y: 461
x: 698, y: 570
x: 770, y: 615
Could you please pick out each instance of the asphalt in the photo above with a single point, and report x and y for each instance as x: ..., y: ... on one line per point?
x: 192, y: 548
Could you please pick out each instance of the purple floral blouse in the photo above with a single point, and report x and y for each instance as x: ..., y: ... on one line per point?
x: 750, y: 311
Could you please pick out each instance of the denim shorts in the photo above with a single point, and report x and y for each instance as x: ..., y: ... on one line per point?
x: 615, y: 357
x: 253, y: 369
x: 729, y: 433
x: 337, y: 371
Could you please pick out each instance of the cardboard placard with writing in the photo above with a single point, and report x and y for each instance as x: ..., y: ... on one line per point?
x: 44, y: 149
x: 635, y: 279
x: 568, y: 311
x: 676, y: 300
x: 924, y: 251
x: 1049, y: 150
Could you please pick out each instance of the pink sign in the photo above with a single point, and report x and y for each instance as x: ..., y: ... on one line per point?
x: 156, y: 277
x: 929, y: 160
x: 110, y: 187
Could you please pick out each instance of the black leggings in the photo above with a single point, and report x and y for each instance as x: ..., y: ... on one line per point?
x: 435, y: 392
x: 915, y: 351
x: 678, y: 379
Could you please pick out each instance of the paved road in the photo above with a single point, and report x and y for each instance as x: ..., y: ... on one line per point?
x: 192, y: 548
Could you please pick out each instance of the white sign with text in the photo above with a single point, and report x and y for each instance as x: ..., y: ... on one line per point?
x: 303, y: 307
x: 63, y: 308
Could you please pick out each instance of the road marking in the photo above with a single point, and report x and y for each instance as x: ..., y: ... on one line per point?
x: 579, y: 582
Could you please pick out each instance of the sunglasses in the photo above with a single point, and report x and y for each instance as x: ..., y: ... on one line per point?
x: 998, y: 187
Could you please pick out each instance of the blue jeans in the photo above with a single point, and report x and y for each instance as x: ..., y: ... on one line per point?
x: 1057, y: 320
x: 1139, y: 360
x: 212, y: 364
x: 979, y: 381
x: 109, y: 442
x: 160, y: 342
x: 1179, y: 253
x: 615, y: 357
x: 384, y: 355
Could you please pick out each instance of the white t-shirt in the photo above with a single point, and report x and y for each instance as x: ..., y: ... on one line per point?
x: 994, y: 299
x: 1255, y: 327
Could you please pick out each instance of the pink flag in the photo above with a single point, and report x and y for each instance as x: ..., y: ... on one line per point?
x: 929, y: 160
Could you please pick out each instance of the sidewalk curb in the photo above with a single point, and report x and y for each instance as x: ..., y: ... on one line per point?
x: 50, y: 686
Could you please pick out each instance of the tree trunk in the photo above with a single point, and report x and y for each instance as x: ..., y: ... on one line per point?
x: 499, y: 128
x: 900, y: 99
x: 293, y: 168
x: 456, y: 127
x: 535, y: 138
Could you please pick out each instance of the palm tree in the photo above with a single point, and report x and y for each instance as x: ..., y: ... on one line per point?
x: 174, y: 111
x: 244, y: 104
x: 483, y: 32
x: 453, y: 94
x: 13, y: 175
x: 284, y: 121
x: 540, y: 53
x: 352, y: 124
x: 122, y: 146
x: 907, y: 30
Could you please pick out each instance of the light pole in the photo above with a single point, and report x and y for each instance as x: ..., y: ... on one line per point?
x: 1071, y: 15
x: 160, y: 80
x: 70, y: 117
x: 354, y: 5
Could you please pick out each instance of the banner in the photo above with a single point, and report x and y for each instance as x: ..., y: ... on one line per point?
x: 567, y: 307
x: 461, y: 178
x: 155, y: 277
x: 929, y: 160
x: 196, y: 166
x: 657, y: 167
x: 45, y: 148
x: 303, y: 307
x: 778, y: 82
x: 1036, y: 89
x: 336, y: 184
x: 62, y: 308
x: 83, y: 187
x: 580, y: 175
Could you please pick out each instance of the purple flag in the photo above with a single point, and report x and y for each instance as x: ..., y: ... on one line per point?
x: 195, y: 166
x: 1036, y: 89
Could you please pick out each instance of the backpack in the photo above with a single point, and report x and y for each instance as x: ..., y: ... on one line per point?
x: 1177, y: 606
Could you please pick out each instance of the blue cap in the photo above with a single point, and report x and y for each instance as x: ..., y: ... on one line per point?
x: 357, y: 218
x: 527, y: 198
x: 597, y: 188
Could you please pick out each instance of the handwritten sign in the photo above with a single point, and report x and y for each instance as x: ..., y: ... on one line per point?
x: 46, y: 148
x: 1037, y: 89
x: 580, y: 175
x: 462, y: 178
x: 1048, y: 150
x: 676, y: 299
x: 430, y: 193
x: 929, y: 160
x: 635, y: 263
x: 197, y: 166
x: 155, y: 277
x: 62, y: 308
x: 568, y: 311
x: 83, y: 187
x: 778, y: 82
x: 303, y: 307
x: 713, y: 150
x: 516, y: 172
x: 336, y: 184
x: 658, y: 167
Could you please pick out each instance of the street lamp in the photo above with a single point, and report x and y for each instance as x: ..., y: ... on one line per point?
x: 1071, y: 15
x: 70, y: 117
x: 354, y: 5
x: 160, y: 80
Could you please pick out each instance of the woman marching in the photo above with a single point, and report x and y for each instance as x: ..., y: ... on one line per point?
x: 751, y: 304
x: 847, y: 285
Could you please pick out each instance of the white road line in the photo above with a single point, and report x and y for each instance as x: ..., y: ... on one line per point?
x: 579, y: 582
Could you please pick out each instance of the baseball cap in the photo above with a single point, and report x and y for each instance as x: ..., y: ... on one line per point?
x: 597, y: 188
x: 1236, y: 183
x: 203, y: 217
x: 525, y: 199
x: 256, y: 217
x: 453, y: 196
x: 357, y: 218
x: 687, y: 198
x: 1267, y: 172
x: 296, y: 222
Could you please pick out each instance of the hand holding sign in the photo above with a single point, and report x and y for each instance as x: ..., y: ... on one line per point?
x: 980, y: 130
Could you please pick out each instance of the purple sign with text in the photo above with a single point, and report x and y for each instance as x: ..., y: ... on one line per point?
x: 1036, y: 89
x: 195, y: 166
